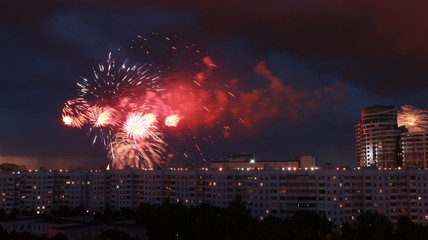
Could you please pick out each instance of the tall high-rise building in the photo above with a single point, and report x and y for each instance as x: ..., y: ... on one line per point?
x: 414, y: 147
x: 378, y: 137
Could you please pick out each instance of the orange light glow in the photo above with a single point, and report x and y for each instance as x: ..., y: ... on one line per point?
x: 74, y: 113
x: 101, y: 116
x: 149, y: 118
x: 414, y: 119
x: 172, y: 121
x: 67, y: 120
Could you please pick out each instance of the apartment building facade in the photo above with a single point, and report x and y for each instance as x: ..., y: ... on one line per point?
x: 340, y: 194
x: 414, y: 146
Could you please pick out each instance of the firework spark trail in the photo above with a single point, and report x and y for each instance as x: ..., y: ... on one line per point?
x: 127, y: 105
x: 414, y: 119
x: 133, y: 111
x: 140, y: 126
x: 125, y: 152
x: 105, y: 102
x: 75, y: 112
x: 101, y: 116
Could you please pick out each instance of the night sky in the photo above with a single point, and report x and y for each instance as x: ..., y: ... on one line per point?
x: 316, y: 63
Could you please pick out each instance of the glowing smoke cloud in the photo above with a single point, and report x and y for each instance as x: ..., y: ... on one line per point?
x: 414, y: 119
x: 129, y: 107
x: 134, y: 109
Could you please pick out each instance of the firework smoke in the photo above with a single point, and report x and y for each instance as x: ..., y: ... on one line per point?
x: 128, y: 106
x: 414, y: 119
x: 134, y: 109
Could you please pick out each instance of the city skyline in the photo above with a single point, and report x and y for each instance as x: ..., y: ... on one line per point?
x: 340, y: 195
x: 391, y: 137
x: 319, y: 65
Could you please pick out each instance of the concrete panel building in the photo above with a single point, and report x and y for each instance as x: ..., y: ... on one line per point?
x: 338, y: 194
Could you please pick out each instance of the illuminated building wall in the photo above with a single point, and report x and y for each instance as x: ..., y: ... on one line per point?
x: 377, y: 138
x: 415, y: 149
x: 250, y: 163
x: 339, y: 195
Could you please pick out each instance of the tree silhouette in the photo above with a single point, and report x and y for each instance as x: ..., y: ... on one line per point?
x: 309, y: 225
x: 372, y: 225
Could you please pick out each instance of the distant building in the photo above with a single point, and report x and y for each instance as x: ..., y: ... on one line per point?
x: 73, y: 229
x: 247, y: 161
x: 377, y: 138
x: 306, y: 161
x: 10, y: 167
x: 241, y: 157
x: 381, y: 143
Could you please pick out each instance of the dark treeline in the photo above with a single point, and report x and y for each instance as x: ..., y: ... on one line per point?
x: 175, y: 221
x: 107, y: 235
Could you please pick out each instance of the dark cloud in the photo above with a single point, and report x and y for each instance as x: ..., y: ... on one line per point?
x: 385, y: 41
x: 308, y: 66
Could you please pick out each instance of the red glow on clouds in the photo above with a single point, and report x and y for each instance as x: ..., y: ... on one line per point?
x: 208, y: 103
x: 279, y: 99
x: 192, y: 101
x: 208, y: 61
x: 205, y: 102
